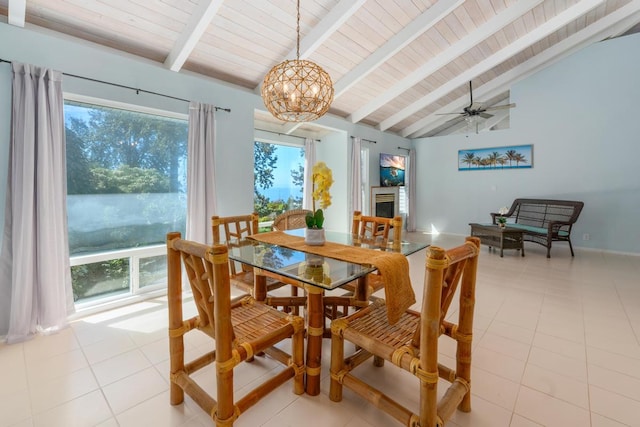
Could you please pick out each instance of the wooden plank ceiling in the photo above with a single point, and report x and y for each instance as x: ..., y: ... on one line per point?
x: 396, y: 64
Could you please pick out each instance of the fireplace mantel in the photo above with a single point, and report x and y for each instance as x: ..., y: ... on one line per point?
x: 385, y: 201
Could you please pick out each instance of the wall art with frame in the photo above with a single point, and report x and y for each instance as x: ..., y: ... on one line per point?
x: 510, y: 157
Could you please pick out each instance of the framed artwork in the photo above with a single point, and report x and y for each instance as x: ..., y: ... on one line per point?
x: 392, y: 169
x: 510, y: 157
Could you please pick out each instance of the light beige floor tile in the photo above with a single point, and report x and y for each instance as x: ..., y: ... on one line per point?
x: 614, y: 406
x: 522, y: 317
x: 549, y: 411
x: 574, y: 350
x: 132, y: 390
x: 519, y: 421
x: 312, y: 411
x: 565, y: 326
x: 13, y: 369
x: 157, y: 351
x: 88, y: 410
x: 559, y: 364
x: 505, y: 346
x: 111, y: 422
x: 556, y: 385
x: 483, y: 414
x: 15, y: 408
x: 494, y: 389
x: 47, y: 369
x: 499, y: 364
x: 120, y: 366
x: 598, y: 420
x: 613, y: 361
x: 63, y: 389
x: 156, y: 411
x: 45, y: 346
x: 614, y: 381
x: 108, y: 347
x: 512, y: 332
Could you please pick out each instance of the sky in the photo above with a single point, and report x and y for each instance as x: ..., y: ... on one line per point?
x: 288, y: 159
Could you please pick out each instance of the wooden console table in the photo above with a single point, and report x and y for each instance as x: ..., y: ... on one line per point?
x: 497, y: 237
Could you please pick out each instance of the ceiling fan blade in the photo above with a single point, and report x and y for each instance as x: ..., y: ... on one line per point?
x: 446, y: 114
x: 500, y: 107
x: 485, y: 115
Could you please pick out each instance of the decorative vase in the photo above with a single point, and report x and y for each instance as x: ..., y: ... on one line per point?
x: 502, y: 224
x: 314, y: 236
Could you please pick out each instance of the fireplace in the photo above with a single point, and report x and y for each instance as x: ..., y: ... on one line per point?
x: 385, y: 202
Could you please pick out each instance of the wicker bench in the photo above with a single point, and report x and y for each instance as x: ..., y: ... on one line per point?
x: 543, y: 221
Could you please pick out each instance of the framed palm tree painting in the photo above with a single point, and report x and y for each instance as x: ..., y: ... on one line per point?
x: 510, y: 157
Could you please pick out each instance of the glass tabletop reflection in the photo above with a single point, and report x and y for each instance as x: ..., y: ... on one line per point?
x: 324, y: 272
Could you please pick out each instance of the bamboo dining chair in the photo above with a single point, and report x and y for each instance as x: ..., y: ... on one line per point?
x: 290, y: 220
x: 412, y: 343
x: 365, y: 229
x: 240, y: 327
x: 231, y: 230
x: 375, y: 230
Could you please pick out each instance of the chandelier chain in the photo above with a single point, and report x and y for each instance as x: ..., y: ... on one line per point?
x: 298, y: 32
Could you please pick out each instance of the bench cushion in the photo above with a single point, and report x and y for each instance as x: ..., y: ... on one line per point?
x: 537, y: 230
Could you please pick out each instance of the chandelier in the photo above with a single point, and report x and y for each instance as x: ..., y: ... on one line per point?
x: 297, y: 90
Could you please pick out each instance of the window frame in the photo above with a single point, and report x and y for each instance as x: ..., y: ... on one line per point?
x: 135, y: 254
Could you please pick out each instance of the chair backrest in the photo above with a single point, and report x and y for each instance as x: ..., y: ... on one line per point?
x: 446, y: 270
x: 228, y: 230
x: 208, y: 274
x: 291, y: 220
x: 376, y: 228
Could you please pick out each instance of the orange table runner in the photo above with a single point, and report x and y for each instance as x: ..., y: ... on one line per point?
x: 393, y: 266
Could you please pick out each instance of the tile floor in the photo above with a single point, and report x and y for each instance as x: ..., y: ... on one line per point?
x: 556, y: 343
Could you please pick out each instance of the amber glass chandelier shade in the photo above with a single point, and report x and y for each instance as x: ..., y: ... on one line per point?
x: 297, y: 91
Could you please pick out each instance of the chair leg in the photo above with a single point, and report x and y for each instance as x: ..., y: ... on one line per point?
x: 337, y: 365
x: 570, y: 246
x: 297, y: 355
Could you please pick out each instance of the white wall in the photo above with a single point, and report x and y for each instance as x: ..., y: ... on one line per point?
x: 580, y: 114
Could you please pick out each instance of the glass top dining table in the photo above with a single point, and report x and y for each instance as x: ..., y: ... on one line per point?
x: 321, y: 271
x: 314, y: 273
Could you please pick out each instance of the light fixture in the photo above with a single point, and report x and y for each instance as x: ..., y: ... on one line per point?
x: 473, y: 122
x: 297, y: 90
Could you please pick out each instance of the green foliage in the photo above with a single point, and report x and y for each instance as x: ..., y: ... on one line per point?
x: 112, y: 139
x: 126, y: 179
x: 99, y: 278
x: 264, y: 161
x: 315, y: 220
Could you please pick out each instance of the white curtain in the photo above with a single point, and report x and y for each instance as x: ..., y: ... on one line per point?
x: 309, y: 161
x: 411, y: 196
x: 201, y: 185
x: 356, y: 175
x: 35, y: 250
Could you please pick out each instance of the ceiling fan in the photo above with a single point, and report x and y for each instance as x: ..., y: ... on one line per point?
x: 472, y: 112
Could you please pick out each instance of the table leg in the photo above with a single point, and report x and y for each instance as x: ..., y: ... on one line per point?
x: 315, y: 332
x: 259, y: 286
x: 501, y: 244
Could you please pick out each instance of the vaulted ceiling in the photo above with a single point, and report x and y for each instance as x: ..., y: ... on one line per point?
x: 396, y: 65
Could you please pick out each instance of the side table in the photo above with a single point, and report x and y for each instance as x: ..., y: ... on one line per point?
x: 498, y: 237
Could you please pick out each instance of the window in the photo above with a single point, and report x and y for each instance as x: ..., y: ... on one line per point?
x: 126, y: 185
x: 278, y: 179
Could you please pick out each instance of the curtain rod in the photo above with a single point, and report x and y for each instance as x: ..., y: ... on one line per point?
x: 138, y: 90
x: 284, y: 134
x: 402, y: 148
x: 366, y: 140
